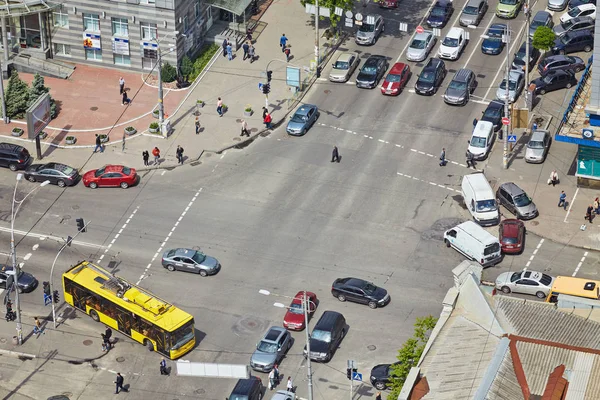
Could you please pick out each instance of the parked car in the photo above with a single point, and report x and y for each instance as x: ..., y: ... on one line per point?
x: 516, y: 82
x: 515, y: 200
x: 396, y: 79
x: 14, y: 157
x: 248, y: 389
x: 440, y: 14
x: 554, y: 80
x: 453, y: 44
x: 562, y: 63
x: 493, y: 42
x: 371, y: 72
x: 27, y: 282
x: 512, y: 236
x: 494, y: 114
x: 302, y: 120
x: 388, y: 3
x: 460, y: 88
x: 368, y: 33
x: 538, y: 146
x: 541, y: 18
x: 574, y: 25
x: 326, y: 336
x: 360, y: 291
x: 573, y: 42
x: 284, y: 394
x: 110, y: 176
x: 473, y: 12
x: 557, y: 5
x: 381, y: 375
x: 271, y: 349
x: 421, y: 45
x: 344, y: 67
x: 577, y: 3
x: 294, y: 317
x: 189, y: 260
x: 56, y: 173
x: 526, y: 282
x: 431, y: 77
x: 584, y: 10
x: 519, y: 60
x: 508, y: 8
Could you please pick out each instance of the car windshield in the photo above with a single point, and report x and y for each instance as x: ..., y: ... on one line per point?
x: 393, y: 78
x: 565, y: 39
x: 457, y: 85
x: 323, y: 336
x: 573, y: 12
x: 418, y: 44
x: 99, y: 172
x: 471, y: 10
x: 508, y: 2
x: 369, y: 70
x: 299, y: 118
x: 369, y: 288
x: 367, y: 28
x: 450, y: 42
x: 509, y: 240
x: 486, y: 205
x: 126, y: 170
x: 567, y: 24
x: 522, y: 200
x: 296, y: 309
x: 521, y: 53
x: 512, y: 85
x: 199, y: 257
x: 428, y: 77
x: 495, y: 33
x: 492, y: 113
x: 516, y: 276
x: 478, y: 141
x: 572, y: 60
x: 341, y: 65
x: 536, y: 23
x: 535, y: 144
x: 438, y: 12
x: 182, y: 335
x: 267, y: 347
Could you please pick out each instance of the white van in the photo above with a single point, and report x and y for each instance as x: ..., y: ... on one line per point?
x: 481, y: 140
x: 475, y: 243
x: 480, y: 199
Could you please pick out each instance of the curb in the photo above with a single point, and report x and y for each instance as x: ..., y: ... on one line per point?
x: 17, y: 354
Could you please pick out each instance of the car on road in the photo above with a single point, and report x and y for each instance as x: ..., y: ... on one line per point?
x: 304, y: 117
x: 537, y: 147
x: 396, y: 79
x: 493, y: 42
x: 440, y: 13
x: 557, y: 5
x: 56, y: 173
x: 368, y: 33
x: 421, y: 45
x: 371, y: 72
x: 453, y: 44
x: 574, y: 25
x: 473, y: 12
x: 110, y: 176
x: 494, y: 113
x: 271, y: 349
x: 388, y: 3
x: 294, y: 317
x: 526, y: 282
x: 27, y: 282
x: 562, y: 63
x: 344, y: 66
x: 519, y: 60
x: 14, y: 157
x: 326, y: 336
x: 508, y: 8
x: 284, y: 394
x: 554, y: 80
x: 381, y: 375
x: 360, y: 291
x: 189, y: 260
x: 515, y: 200
x: 516, y: 82
x: 248, y: 389
x: 573, y: 42
x: 584, y: 10
x: 431, y: 77
x: 481, y: 140
x: 541, y: 18
x: 511, y: 233
x: 460, y: 88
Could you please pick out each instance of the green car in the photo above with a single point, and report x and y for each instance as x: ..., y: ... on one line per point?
x: 508, y: 8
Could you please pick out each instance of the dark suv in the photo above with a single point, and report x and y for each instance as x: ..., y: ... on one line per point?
x: 431, y: 77
x: 326, y: 336
x: 573, y: 42
x: 247, y: 389
x: 14, y: 156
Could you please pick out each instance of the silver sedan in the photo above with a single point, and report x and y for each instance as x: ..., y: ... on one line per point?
x: 525, y: 281
x: 515, y: 86
x: 420, y: 46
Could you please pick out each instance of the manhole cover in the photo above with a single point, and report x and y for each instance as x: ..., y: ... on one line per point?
x: 371, y: 347
x: 94, y: 108
x: 249, y: 325
x: 75, y: 207
x: 254, y: 130
x: 236, y: 139
x: 238, y: 120
x: 120, y: 359
x: 199, y: 391
x: 327, y: 91
x: 59, y: 397
x: 534, y: 223
x: 88, y: 342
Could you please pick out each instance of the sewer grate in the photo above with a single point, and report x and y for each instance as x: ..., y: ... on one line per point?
x: 88, y: 342
x: 94, y: 108
x: 120, y: 359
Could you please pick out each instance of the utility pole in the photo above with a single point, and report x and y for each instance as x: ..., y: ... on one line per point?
x: 506, y: 128
x: 308, y: 365
x: 317, y: 37
x: 528, y: 101
x: 161, y: 106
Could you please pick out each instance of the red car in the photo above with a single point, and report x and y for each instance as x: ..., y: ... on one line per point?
x: 110, y: 176
x: 512, y: 236
x: 294, y: 317
x: 396, y: 79
x: 388, y: 3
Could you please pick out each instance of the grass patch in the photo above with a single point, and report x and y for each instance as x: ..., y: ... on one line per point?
x: 203, y: 58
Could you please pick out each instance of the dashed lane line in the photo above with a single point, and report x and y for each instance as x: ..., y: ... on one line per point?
x: 118, y: 233
x: 429, y: 182
x: 580, y: 263
x: 537, y: 248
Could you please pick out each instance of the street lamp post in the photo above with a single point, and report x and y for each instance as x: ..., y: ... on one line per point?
x: 161, y: 106
x: 13, y: 250
x: 507, y: 93
x: 306, y: 305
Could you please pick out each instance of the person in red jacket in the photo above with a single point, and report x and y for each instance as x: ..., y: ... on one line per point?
x: 268, y: 120
x: 156, y: 154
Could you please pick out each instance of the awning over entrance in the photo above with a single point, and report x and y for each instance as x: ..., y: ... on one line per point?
x: 236, y: 7
x: 16, y: 8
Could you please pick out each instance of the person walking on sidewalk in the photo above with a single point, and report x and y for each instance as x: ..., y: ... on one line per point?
x: 553, y: 180
x: 290, y: 385
x: 245, y: 47
x: 179, y: 153
x: 121, y: 85
x: 335, y: 155
x: 163, y: 367
x: 265, y: 112
x: 271, y: 379
x: 156, y: 154
x: 224, y: 45
x: 283, y: 42
x: 562, y: 200
x: 220, y: 107
x: 108, y: 335
x: 470, y: 159
x: 146, y: 157
x: 125, y: 100
x: 197, y: 124
x: 443, y: 157
x: 37, y: 327
x: 597, y: 205
x: 268, y: 120
x: 229, y: 52
x: 287, y: 52
x: 251, y: 53
x: 589, y: 213
x: 244, y: 128
x: 119, y: 382
x: 98, y: 144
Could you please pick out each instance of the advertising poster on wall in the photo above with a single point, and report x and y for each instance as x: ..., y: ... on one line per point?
x: 91, y: 41
x: 120, y: 46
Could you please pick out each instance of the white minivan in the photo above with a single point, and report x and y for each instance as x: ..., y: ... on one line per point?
x: 475, y: 243
x: 480, y: 199
x: 482, y: 139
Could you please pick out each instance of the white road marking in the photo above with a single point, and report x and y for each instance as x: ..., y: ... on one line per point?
x: 571, y: 205
x: 55, y: 238
x: 27, y: 256
x: 118, y: 234
x: 35, y: 246
x: 534, y: 253
x: 580, y: 263
x: 429, y: 182
x: 164, y: 172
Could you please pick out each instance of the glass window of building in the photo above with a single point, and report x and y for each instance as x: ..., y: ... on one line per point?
x: 185, y: 24
x: 61, y: 18
x: 149, y: 31
x: 148, y: 63
x: 147, y: 1
x: 91, y: 22
x: 62, y: 49
x: 93, y: 55
x: 121, y: 59
x: 197, y: 9
x: 120, y: 27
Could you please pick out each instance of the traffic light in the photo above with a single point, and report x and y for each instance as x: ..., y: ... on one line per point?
x: 46, y: 288
x: 349, y: 373
x: 55, y: 296
x: 269, y: 75
x: 80, y: 225
x: 266, y: 88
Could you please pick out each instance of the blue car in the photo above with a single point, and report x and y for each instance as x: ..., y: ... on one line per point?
x: 440, y: 14
x: 302, y: 120
x: 493, y: 43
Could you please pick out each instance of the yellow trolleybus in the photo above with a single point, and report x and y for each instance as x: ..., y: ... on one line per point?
x: 579, y: 287
x: 134, y: 311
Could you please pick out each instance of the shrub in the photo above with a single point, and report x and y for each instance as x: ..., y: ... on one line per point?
x: 187, y: 67
x: 202, y: 60
x: 154, y: 125
x: 168, y: 73
x: 17, y: 95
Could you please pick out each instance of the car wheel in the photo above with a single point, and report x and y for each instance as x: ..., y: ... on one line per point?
x: 93, y: 185
x: 30, y: 178
x: 569, y: 85
x: 447, y: 242
x: 540, y: 295
x: 578, y: 69
x: 587, y: 48
x: 203, y: 273
x: 12, y: 167
x: 260, y: 396
x: 148, y: 345
x: 61, y: 183
x: 94, y: 315
x: 171, y: 268
x: 505, y: 289
x: 341, y: 297
x: 561, y: 52
x: 542, y: 91
x: 379, y: 385
x: 124, y: 185
x: 372, y: 305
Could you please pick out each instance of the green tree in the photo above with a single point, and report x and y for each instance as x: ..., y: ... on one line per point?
x: 187, y: 67
x: 37, y: 89
x: 409, y: 354
x: 17, y: 94
x: 543, y: 38
x: 169, y: 73
x: 332, y: 4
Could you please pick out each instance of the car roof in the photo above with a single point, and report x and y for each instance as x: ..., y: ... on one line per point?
x: 423, y: 35
x: 274, y: 333
x: 112, y: 168
x: 554, y: 72
x: 515, y: 74
x: 541, y: 16
x: 510, y: 229
x: 482, y: 128
x: 495, y: 104
x: 346, y: 56
x: 397, y: 68
x: 455, y: 32
x: 304, y: 109
x: 586, y: 6
x: 553, y: 58
x: 538, y: 135
x: 512, y: 188
x: 497, y: 26
x: 243, y: 386
x: 435, y: 62
x: 354, y: 282
x: 443, y: 3
x: 375, y: 57
x: 184, y: 252
x: 581, y: 32
x: 462, y: 75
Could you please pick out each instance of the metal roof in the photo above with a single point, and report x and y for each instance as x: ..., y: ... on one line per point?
x: 15, y: 8
x: 505, y: 386
x: 235, y: 6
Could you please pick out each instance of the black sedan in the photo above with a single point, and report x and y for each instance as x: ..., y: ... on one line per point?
x: 58, y: 174
x: 371, y: 72
x: 560, y: 62
x: 380, y: 375
x: 27, y: 282
x: 494, y: 113
x: 440, y: 14
x: 554, y: 80
x: 360, y: 291
x: 492, y: 43
x: 431, y: 77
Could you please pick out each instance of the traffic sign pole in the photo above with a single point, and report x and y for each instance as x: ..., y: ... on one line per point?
x: 420, y: 29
